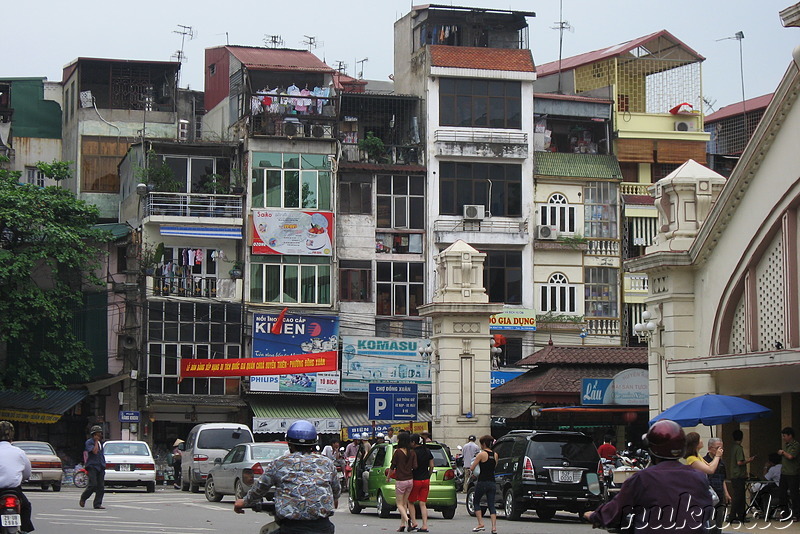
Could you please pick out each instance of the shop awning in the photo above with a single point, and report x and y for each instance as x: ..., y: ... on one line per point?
x: 596, y: 409
x: 510, y: 410
x: 356, y: 416
x: 97, y: 385
x: 274, y: 414
x: 29, y: 408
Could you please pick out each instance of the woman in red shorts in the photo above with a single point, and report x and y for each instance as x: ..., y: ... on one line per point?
x: 422, y: 482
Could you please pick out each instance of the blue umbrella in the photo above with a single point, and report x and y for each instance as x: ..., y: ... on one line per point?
x: 710, y: 409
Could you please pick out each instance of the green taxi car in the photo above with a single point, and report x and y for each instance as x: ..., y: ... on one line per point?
x: 442, y: 496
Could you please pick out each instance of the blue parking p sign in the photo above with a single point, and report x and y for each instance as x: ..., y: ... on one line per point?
x: 393, y: 402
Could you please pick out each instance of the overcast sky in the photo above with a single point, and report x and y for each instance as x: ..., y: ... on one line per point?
x: 41, y: 37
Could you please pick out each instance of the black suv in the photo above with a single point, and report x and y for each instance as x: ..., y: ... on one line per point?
x: 545, y: 471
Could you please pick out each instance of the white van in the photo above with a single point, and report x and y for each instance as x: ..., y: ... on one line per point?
x: 205, y: 443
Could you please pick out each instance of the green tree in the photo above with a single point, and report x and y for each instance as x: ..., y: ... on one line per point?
x: 48, y: 256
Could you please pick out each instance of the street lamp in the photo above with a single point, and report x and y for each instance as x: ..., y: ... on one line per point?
x: 644, y: 331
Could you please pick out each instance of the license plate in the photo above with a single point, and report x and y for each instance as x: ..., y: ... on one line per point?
x: 125, y: 467
x: 568, y: 476
x: 10, y: 520
x: 36, y: 476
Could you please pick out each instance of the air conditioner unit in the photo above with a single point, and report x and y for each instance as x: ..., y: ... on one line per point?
x: 321, y: 130
x: 475, y: 212
x: 547, y: 233
x: 685, y: 126
x: 293, y: 129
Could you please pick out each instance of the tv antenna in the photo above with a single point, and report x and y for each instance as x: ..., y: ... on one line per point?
x: 341, y: 66
x: 561, y: 25
x: 738, y: 36
x: 709, y: 103
x: 361, y: 69
x: 184, y: 31
x: 311, y: 42
x: 273, y: 41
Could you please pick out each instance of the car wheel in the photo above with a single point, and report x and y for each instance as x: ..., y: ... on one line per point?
x: 193, y: 487
x: 383, y: 509
x: 449, y: 512
x: 546, y: 514
x: 56, y: 486
x: 238, y: 489
x: 150, y: 487
x: 352, y: 503
x: 211, y: 494
x: 471, y: 501
x: 512, y: 508
x: 45, y: 486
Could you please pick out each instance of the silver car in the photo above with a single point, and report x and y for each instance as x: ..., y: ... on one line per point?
x: 236, y: 472
x: 45, y: 464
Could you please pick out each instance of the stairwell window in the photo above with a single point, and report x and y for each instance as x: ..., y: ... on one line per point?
x: 400, y: 288
x: 558, y: 295
x: 557, y: 212
x: 601, y: 285
x: 503, y: 276
x: 600, y: 202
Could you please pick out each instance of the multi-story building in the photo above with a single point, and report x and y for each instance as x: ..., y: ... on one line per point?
x: 654, y: 82
x: 730, y: 128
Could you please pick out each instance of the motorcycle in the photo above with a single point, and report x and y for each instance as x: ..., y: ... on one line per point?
x: 623, y: 466
x: 10, y: 518
x: 266, y: 507
x: 80, y: 478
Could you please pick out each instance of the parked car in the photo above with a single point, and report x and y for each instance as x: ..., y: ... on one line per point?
x: 129, y: 463
x: 236, y: 472
x: 204, y: 443
x: 545, y: 471
x: 442, y: 496
x: 45, y: 464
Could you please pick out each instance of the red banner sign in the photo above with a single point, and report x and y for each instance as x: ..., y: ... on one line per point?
x: 278, y: 365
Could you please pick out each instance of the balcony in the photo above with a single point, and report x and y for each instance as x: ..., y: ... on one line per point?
x: 195, y: 286
x: 481, y: 143
x: 489, y: 230
x: 687, y: 127
x: 395, y: 154
x: 602, y: 326
x: 212, y: 206
x: 292, y: 116
x: 603, y: 247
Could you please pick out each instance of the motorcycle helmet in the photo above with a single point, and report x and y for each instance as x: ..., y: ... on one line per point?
x: 365, y: 435
x: 301, y: 433
x: 665, y: 439
x: 6, y: 431
x: 380, y: 435
x: 95, y: 429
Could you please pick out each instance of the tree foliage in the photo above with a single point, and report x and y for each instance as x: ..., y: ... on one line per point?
x: 48, y: 254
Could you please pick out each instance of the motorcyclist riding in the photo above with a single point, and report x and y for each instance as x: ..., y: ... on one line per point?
x: 307, y: 489
x: 667, y: 496
x: 14, y: 468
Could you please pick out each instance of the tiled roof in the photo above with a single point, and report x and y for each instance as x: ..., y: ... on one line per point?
x: 257, y: 58
x: 587, y: 355
x: 656, y: 41
x: 554, y: 380
x: 571, y: 165
x: 639, y: 200
x: 467, y: 57
x: 752, y: 104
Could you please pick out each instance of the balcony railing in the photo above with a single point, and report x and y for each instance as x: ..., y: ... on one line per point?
x: 602, y: 327
x: 485, y: 225
x: 603, y: 247
x: 192, y: 205
x: 627, y: 188
x: 480, y: 136
x: 293, y: 116
x: 185, y: 286
x: 395, y: 154
x: 639, y: 283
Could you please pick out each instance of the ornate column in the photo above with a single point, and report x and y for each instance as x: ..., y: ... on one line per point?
x: 461, y: 343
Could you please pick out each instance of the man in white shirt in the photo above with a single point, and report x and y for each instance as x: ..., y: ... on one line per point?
x: 469, y: 451
x: 14, y: 468
x: 332, y: 450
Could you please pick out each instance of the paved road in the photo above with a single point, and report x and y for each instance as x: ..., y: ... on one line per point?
x: 176, y: 512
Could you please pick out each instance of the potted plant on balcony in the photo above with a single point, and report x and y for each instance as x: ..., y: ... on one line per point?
x: 373, y: 146
x: 150, y: 257
x: 237, y: 182
x: 216, y: 184
x: 237, y: 270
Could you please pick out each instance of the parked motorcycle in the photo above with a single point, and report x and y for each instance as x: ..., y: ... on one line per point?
x: 621, y: 467
x: 10, y: 518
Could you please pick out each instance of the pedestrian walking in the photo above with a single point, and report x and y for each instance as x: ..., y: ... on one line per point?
x: 96, y: 469
x: 487, y: 460
x: 717, y: 482
x: 177, y: 459
x: 404, y: 461
x: 422, y: 483
x: 468, y: 452
x: 738, y: 478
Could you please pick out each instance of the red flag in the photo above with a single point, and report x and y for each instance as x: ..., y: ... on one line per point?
x: 276, y: 328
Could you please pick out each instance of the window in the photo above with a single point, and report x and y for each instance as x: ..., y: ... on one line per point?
x: 475, y: 183
x: 401, y: 201
x: 600, y: 199
x: 400, y: 288
x: 100, y: 157
x: 511, y: 351
x: 479, y: 103
x: 191, y: 330
x: 290, y: 279
x: 557, y: 212
x: 503, y: 276
x: 355, y: 194
x: 601, y: 285
x: 355, y: 280
x: 558, y: 295
x: 34, y: 176
x: 195, y: 174
x: 300, y: 181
